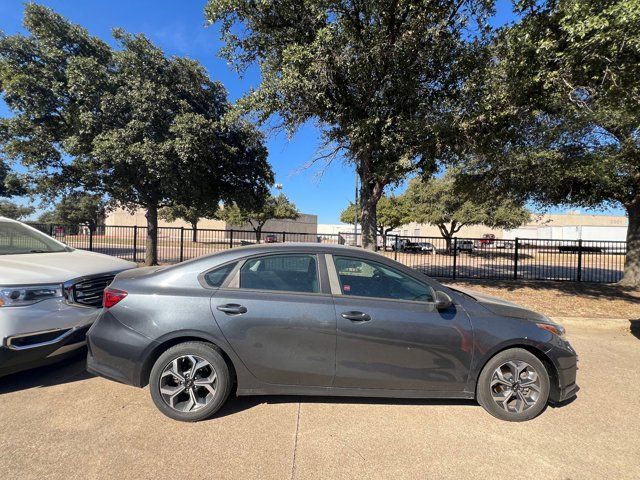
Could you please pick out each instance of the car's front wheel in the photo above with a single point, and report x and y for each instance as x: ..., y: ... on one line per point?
x: 190, y: 381
x: 514, y: 385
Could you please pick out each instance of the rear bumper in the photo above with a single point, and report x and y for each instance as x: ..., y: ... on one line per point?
x: 116, y: 351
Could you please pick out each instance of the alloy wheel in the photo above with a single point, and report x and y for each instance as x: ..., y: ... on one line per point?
x: 188, y: 383
x: 515, y: 386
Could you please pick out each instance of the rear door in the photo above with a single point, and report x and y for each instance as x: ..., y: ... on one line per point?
x: 277, y: 313
x: 390, y: 335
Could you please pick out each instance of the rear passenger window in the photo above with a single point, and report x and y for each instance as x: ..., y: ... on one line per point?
x: 216, y: 277
x: 287, y: 273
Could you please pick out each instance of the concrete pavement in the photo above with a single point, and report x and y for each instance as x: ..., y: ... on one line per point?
x: 60, y: 422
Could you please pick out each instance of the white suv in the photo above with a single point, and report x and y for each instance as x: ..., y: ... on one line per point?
x: 50, y: 294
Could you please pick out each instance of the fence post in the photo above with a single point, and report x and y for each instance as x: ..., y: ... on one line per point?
x: 90, y: 239
x: 51, y: 229
x: 455, y: 256
x: 284, y: 237
x: 231, y: 238
x: 580, y: 260
x: 181, y: 243
x: 515, y: 260
x: 395, y: 249
x: 135, y: 244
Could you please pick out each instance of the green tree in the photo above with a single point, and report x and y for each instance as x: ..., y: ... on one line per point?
x: 191, y: 215
x: 391, y: 213
x: 10, y: 184
x: 561, y: 110
x: 382, y: 78
x: 274, y: 208
x: 144, y: 130
x: 450, y: 205
x: 13, y: 210
x: 80, y: 208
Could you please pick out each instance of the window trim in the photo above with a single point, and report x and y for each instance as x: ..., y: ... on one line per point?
x: 203, y: 282
x: 233, y: 280
x: 336, y: 289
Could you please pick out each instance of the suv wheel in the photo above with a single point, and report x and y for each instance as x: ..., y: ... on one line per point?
x: 514, y: 385
x: 190, y: 381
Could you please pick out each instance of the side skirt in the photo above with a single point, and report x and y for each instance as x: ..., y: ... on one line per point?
x: 350, y: 392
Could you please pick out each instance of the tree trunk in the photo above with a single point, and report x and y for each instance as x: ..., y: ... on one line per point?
x: 631, y: 276
x: 151, y: 250
x: 370, y: 193
x: 258, y: 231
x: 194, y: 232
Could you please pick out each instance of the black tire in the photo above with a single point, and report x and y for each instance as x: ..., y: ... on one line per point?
x: 223, y: 380
x: 485, y: 394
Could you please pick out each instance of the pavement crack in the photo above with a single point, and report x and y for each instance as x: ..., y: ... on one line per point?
x: 295, y: 445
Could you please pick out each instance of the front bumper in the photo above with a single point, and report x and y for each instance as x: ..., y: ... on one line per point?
x: 116, y: 351
x: 566, y: 363
x: 43, y: 333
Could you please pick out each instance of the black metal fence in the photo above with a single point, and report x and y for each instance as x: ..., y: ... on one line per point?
x: 457, y: 258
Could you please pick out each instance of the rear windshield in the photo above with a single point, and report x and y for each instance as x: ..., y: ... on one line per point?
x: 16, y: 238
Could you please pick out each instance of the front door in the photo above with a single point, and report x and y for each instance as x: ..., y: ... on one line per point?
x: 279, y: 321
x: 389, y: 334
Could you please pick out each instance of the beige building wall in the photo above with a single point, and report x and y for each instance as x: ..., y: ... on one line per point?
x: 538, y: 221
x: 306, y: 223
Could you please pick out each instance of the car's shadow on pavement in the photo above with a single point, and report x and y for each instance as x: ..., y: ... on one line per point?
x: 239, y: 404
x: 71, y: 369
x: 635, y: 328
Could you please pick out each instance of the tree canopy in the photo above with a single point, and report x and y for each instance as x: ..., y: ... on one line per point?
x: 145, y: 130
x: 560, y: 115
x: 274, y: 208
x: 381, y: 78
x: 15, y: 211
x: 451, y: 206
x: 78, y: 208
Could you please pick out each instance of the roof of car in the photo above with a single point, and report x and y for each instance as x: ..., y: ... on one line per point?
x: 5, y: 219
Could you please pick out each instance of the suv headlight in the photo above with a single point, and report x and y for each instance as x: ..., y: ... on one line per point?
x: 21, y: 296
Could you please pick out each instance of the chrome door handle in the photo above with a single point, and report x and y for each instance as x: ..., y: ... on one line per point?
x: 232, y: 309
x: 356, y: 316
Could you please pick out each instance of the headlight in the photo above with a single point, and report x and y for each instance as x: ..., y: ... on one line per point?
x: 553, y: 328
x: 21, y: 296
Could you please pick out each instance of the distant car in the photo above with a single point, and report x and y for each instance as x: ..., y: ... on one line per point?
x: 487, y: 239
x: 271, y: 238
x: 506, y: 244
x: 50, y: 294
x: 406, y: 245
x: 317, y: 319
x: 465, y: 246
x: 426, y: 247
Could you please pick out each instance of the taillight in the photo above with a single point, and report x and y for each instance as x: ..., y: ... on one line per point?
x: 111, y: 296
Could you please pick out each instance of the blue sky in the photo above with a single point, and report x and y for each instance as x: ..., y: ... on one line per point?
x: 179, y: 28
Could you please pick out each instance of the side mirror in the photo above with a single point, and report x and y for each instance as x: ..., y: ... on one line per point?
x: 443, y: 301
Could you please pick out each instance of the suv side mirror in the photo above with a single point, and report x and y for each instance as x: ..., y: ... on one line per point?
x: 443, y: 301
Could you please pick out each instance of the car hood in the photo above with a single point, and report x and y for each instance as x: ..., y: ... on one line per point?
x: 57, y: 267
x: 504, y: 307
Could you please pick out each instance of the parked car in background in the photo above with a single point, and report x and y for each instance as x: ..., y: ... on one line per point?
x: 465, y: 246
x: 271, y: 238
x: 49, y: 295
x: 426, y: 247
x: 405, y: 245
x: 314, y: 319
x: 487, y: 239
x: 506, y: 244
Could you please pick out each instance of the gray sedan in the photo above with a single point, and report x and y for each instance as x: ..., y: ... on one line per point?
x: 312, y: 319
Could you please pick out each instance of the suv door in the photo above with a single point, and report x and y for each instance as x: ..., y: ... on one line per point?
x: 278, y: 316
x: 390, y: 335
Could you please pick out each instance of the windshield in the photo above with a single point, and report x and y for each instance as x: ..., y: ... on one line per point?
x: 16, y: 238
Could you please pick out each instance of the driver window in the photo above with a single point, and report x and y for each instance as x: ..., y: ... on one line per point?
x: 365, y: 278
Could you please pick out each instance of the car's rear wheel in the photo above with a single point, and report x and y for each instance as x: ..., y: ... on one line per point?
x: 190, y: 381
x: 514, y: 385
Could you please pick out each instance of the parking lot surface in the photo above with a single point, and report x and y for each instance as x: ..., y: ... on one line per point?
x: 60, y: 422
